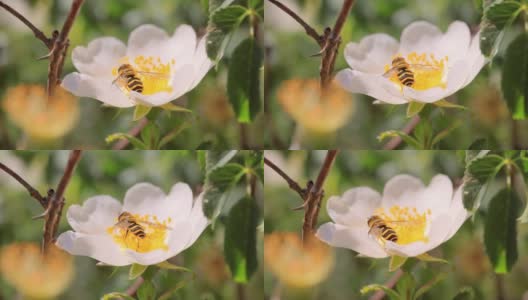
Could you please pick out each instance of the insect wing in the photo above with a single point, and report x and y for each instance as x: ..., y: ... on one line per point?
x: 419, y: 67
x: 153, y: 74
x: 390, y: 72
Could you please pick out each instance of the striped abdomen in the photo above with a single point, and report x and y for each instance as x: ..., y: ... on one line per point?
x: 377, y: 225
x: 405, y: 75
x: 136, y: 229
x: 133, y: 82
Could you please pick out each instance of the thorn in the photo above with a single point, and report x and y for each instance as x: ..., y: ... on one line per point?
x: 41, y: 216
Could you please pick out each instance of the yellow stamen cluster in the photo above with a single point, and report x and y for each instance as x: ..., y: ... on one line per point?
x: 156, y: 76
x: 155, y: 234
x: 429, y: 72
x: 409, y: 225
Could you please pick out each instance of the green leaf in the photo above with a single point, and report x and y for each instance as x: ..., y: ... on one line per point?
x: 429, y: 258
x: 172, y: 134
x: 446, y: 104
x: 393, y: 295
x: 405, y: 286
x: 423, y: 133
x: 216, y: 159
x: 138, y: 144
x: 243, y: 80
x: 466, y: 293
x: 409, y: 140
x: 229, y: 18
x: 479, y: 144
x: 173, y: 107
x: 146, y: 291
x: 217, y: 39
x: 414, y: 108
x: 227, y: 176
x: 444, y: 133
x: 500, y: 231
x: 430, y: 284
x: 150, y: 135
x: 240, y: 244
x: 167, y: 265
x: 486, y: 167
x: 490, y: 38
x: 135, y: 271
x: 117, y: 295
x: 141, y: 111
x: 503, y: 13
x: 396, y: 262
x: 515, y: 77
x: 255, y: 161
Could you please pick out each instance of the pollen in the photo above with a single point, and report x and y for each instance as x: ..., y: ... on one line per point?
x: 428, y: 71
x: 155, y: 75
x: 409, y: 224
x: 155, y: 234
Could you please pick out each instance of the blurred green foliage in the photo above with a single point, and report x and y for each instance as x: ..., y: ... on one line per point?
x: 112, y: 173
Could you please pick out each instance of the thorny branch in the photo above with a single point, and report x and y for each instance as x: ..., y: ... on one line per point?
x: 32, y: 191
x: 329, y: 41
x: 396, y: 141
x: 57, y: 44
x: 54, y: 210
x: 312, y: 195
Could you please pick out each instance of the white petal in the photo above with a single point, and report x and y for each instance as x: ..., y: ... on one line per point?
x: 95, y: 215
x: 457, y: 212
x: 455, y: 42
x: 179, y: 201
x: 145, y: 198
x: 419, y: 37
x: 438, y: 195
x: 99, y: 57
x: 355, y: 238
x: 369, y: 84
x: 372, y: 53
x: 400, y: 190
x: 354, y: 207
x: 437, y: 234
x: 198, y: 221
x: 182, y: 45
x: 147, y: 40
x: 100, y: 247
x: 82, y: 85
x: 475, y: 59
x: 202, y: 63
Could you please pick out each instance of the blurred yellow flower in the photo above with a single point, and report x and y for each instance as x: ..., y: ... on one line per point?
x: 215, y: 107
x: 316, y: 110
x: 212, y: 267
x: 294, y: 264
x: 35, y: 275
x: 28, y: 107
x: 488, y: 106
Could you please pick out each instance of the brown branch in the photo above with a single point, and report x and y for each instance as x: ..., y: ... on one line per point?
x: 396, y: 141
x: 291, y: 183
x: 122, y: 144
x: 60, y: 46
x: 131, y: 291
x: 54, y: 210
x: 38, y: 34
x: 32, y: 191
x: 309, y: 29
x: 390, y: 284
x: 314, y: 195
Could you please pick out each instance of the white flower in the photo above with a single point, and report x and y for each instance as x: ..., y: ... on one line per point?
x: 171, y: 223
x: 442, y: 63
x: 422, y: 217
x: 168, y: 66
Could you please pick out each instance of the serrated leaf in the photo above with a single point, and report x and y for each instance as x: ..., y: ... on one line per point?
x: 141, y: 111
x: 243, y: 80
x: 515, y: 77
x: 414, y: 108
x: 465, y: 293
x: 138, y: 144
x: 430, y: 284
x: 485, y: 167
x: 503, y: 13
x: 393, y: 295
x: 227, y: 176
x: 229, y: 18
x: 146, y: 291
x: 240, y: 244
x: 472, y: 188
x: 490, y: 38
x: 396, y: 262
x: 117, y: 295
x: 500, y: 231
x: 216, y: 159
x: 135, y: 271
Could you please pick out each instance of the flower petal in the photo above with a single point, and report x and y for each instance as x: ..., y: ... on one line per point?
x: 455, y: 42
x: 179, y: 201
x: 372, y: 53
x: 95, y: 215
x: 182, y: 45
x: 83, y: 85
x: 419, y: 37
x: 144, y: 198
x: 355, y: 238
x: 475, y: 59
x: 202, y: 63
x: 99, y: 57
x: 369, y: 84
x: 198, y: 221
x: 457, y: 212
x: 354, y: 207
x: 147, y: 40
x: 100, y: 247
x: 400, y: 190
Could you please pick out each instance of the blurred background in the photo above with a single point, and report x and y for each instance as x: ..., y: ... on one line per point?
x: 338, y: 273
x: 84, y: 123
x: 355, y: 121
x: 109, y: 173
